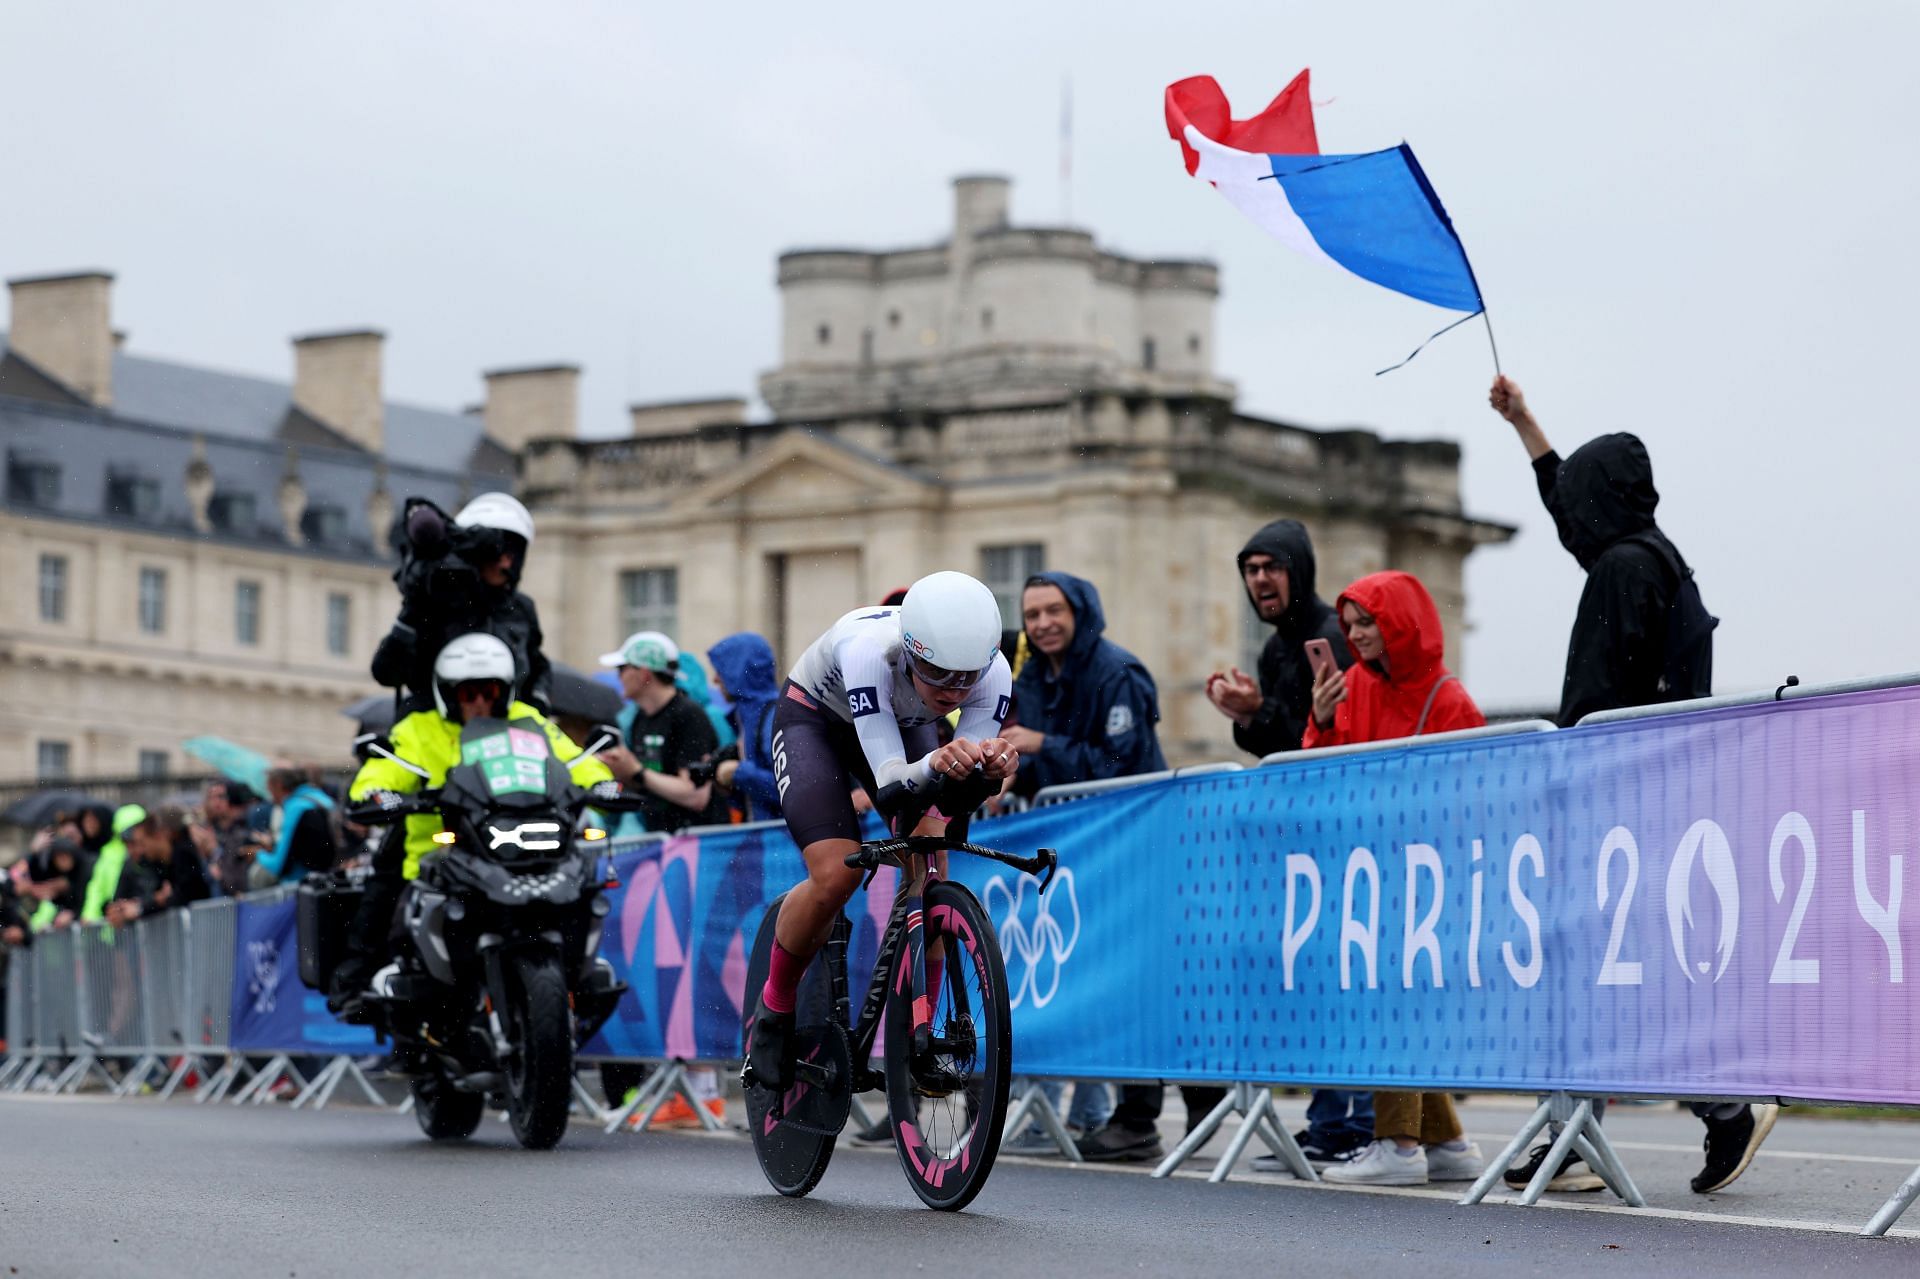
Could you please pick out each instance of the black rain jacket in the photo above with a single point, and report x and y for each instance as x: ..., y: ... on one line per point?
x: 1602, y: 500
x: 1286, y: 679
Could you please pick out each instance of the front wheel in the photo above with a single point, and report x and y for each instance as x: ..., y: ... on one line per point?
x: 948, y: 1104
x: 540, y: 1072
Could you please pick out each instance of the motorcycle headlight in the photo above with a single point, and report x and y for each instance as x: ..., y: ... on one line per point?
x: 530, y: 837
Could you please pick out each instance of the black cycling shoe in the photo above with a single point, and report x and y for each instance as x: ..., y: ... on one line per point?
x: 770, y: 1049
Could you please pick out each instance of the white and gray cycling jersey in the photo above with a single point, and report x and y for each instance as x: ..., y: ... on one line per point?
x: 856, y: 672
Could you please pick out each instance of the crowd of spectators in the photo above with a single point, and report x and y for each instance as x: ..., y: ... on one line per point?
x: 1367, y: 668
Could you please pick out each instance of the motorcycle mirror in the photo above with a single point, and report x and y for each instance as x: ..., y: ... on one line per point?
x: 604, y: 735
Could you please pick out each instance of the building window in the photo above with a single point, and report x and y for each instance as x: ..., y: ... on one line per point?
x: 31, y: 482
x: 866, y: 346
x: 1005, y: 570
x: 153, y: 600
x: 650, y: 600
x: 1193, y: 344
x: 324, y: 525
x: 824, y: 333
x: 339, y: 615
x: 53, y: 762
x: 232, y: 513
x: 986, y: 319
x: 134, y: 496
x: 246, y: 612
x: 893, y: 319
x: 1147, y: 354
x: 154, y: 766
x: 53, y: 588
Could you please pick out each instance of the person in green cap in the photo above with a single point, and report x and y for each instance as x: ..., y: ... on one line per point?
x: 666, y: 734
x: 104, y: 886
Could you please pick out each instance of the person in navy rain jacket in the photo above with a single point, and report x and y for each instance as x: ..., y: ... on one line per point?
x: 1086, y: 707
x: 744, y: 665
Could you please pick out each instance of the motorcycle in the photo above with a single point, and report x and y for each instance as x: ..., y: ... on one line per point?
x: 499, y: 980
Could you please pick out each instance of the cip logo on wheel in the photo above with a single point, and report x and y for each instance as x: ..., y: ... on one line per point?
x: 1038, y: 932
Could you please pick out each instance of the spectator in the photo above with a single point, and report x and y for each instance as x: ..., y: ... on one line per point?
x: 303, y: 838
x: 56, y: 883
x: 1397, y: 686
x: 1640, y: 636
x: 744, y: 666
x: 169, y: 874
x: 1277, y: 569
x: 1087, y: 706
x: 103, y: 883
x: 13, y: 921
x: 96, y: 829
x: 666, y: 734
x: 226, y: 805
x: 1087, y: 710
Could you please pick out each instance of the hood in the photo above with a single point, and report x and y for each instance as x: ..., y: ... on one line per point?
x: 691, y: 678
x: 1089, y: 618
x: 1287, y: 542
x: 105, y: 816
x: 745, y: 665
x: 1409, y: 625
x: 1602, y: 493
x: 126, y: 817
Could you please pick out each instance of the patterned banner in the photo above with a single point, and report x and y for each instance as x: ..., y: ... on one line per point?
x: 272, y: 1010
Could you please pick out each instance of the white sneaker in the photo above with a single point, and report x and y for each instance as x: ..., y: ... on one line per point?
x: 1458, y: 1160
x: 1381, y: 1164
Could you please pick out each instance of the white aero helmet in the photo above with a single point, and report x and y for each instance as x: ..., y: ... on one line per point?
x: 949, y: 628
x: 471, y: 657
x: 501, y: 511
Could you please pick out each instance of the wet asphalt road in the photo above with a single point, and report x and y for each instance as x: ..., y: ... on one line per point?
x: 98, y: 1188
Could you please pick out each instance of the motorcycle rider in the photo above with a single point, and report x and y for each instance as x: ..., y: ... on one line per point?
x: 458, y: 580
x: 473, y: 678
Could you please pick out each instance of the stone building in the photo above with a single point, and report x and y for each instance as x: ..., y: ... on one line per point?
x: 186, y: 551
x: 1010, y: 399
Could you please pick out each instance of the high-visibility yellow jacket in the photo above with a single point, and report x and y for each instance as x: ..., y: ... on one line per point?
x: 432, y: 741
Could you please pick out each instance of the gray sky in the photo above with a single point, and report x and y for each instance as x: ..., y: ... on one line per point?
x: 1694, y: 222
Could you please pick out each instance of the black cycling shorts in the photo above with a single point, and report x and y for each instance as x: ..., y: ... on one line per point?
x: 817, y: 761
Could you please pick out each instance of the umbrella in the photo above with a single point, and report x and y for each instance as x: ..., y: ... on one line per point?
x: 38, y: 808
x: 374, y: 714
x: 577, y: 694
x: 231, y: 760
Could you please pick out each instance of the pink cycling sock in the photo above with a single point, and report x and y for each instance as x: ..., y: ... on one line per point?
x: 783, y: 979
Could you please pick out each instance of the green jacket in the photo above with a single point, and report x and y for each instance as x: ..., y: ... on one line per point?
x: 432, y: 741
x: 104, y: 886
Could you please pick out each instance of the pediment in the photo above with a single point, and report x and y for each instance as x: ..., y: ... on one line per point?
x: 800, y: 471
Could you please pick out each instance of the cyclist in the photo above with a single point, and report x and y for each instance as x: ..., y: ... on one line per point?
x: 863, y: 704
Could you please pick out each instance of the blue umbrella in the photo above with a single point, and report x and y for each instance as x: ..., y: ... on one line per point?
x: 231, y: 760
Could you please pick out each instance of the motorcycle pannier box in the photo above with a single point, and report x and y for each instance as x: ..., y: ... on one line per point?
x: 325, y: 910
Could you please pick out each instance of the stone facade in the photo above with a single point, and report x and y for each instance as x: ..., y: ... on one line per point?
x: 1011, y: 399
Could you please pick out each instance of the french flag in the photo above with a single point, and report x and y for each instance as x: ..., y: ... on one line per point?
x: 1374, y: 214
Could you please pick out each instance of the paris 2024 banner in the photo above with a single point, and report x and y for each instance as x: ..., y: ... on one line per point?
x: 1704, y: 904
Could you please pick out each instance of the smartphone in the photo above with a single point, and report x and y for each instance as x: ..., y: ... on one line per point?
x: 1320, y: 657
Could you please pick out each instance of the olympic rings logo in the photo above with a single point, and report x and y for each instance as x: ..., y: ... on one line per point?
x: 1035, y: 941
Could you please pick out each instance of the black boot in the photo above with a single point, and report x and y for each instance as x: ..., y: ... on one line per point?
x: 770, y: 1048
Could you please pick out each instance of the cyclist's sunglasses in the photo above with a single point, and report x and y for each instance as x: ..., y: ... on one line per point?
x: 940, y: 676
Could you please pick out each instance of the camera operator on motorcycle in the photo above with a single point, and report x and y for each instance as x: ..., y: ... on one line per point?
x: 459, y: 576
x: 473, y: 678
x: 863, y: 705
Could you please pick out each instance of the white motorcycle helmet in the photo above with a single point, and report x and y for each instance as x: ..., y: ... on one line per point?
x: 501, y: 511
x: 472, y: 657
x: 949, y: 629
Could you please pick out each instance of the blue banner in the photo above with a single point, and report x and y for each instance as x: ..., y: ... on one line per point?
x: 272, y: 1010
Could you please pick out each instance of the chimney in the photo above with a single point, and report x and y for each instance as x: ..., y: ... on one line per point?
x: 336, y: 379
x: 678, y: 417
x: 979, y: 204
x: 60, y: 325
x: 532, y: 404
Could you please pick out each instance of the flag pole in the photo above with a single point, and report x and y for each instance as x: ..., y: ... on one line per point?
x: 1490, y: 342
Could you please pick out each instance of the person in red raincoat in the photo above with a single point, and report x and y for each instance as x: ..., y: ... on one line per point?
x: 1398, y: 686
